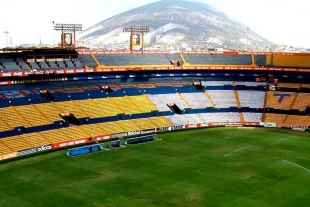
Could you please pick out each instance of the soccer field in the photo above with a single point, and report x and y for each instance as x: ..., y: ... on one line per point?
x: 205, y: 167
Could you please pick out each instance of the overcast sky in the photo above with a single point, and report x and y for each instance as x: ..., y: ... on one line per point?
x: 280, y: 21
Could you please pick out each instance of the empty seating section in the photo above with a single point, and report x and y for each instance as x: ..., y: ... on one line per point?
x: 216, y: 83
x: 293, y: 85
x: 197, y: 100
x: 4, y: 149
x: 73, y: 89
x: 12, y: 118
x: 9, y: 64
x: 35, y: 139
x: 297, y: 120
x: 218, y: 59
x: 107, y: 106
x: 252, y: 117
x: 125, y: 105
x: 90, y: 108
x: 32, y: 115
x: 252, y: 99
x: 78, y: 64
x: 16, y: 143
x: 288, y: 85
x: 260, y: 60
x: 86, y: 59
x: 69, y: 107
x: 34, y: 65
x: 184, y: 119
x: 143, y: 103
x: 161, y: 121
x: 291, y: 60
x: 302, y: 101
x: 177, y: 57
x: 161, y: 101
x: 3, y: 125
x: 220, y: 117
x: 69, y: 64
x: 248, y: 83
x: 55, y: 136
x: 93, y: 130
x: 144, y: 123
x: 111, y: 127
x: 274, y: 118
x: 74, y: 133
x: 50, y: 111
x: 128, y: 125
x: 52, y: 65
x: 22, y: 64
x: 223, y: 98
x: 61, y: 65
x: 134, y: 59
x: 279, y: 100
x: 43, y: 65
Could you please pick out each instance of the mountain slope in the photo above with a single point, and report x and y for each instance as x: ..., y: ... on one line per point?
x: 172, y: 22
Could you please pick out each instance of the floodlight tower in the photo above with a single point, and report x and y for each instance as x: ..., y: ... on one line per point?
x: 67, y: 28
x: 137, y: 29
x: 6, y: 36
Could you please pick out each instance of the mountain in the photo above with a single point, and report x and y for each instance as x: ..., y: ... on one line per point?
x: 173, y: 22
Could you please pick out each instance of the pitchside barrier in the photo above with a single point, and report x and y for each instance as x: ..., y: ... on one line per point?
x: 135, y: 140
x: 85, y: 150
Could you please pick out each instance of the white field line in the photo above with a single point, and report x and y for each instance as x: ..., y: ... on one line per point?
x: 292, y: 163
x: 236, y: 150
x: 280, y: 140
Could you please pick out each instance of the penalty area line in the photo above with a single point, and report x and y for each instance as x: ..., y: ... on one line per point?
x: 237, y: 150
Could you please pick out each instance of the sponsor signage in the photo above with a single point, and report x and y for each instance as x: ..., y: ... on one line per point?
x: 69, y: 143
x: 268, y: 124
x: 44, y: 148
x: 27, y: 151
x: 124, y: 134
x: 177, y: 127
x: 234, y: 123
x: 299, y: 127
x: 166, y: 129
x: 148, y: 131
x: 8, y: 156
x: 134, y: 133
x: 102, y: 137
x: 103, y: 69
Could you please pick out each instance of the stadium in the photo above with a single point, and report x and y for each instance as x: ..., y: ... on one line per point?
x: 62, y: 98
x: 138, y: 126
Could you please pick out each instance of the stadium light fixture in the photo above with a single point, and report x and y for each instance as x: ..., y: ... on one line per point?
x: 137, y: 29
x: 67, y: 28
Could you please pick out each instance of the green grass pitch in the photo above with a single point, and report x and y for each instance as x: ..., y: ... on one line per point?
x: 205, y: 167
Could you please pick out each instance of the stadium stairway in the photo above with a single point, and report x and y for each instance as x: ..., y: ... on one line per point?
x: 241, y: 117
x: 184, y: 61
x: 183, y: 99
x: 209, y: 98
x: 133, y: 103
x: 95, y: 59
x: 161, y: 121
x: 293, y: 102
x: 20, y: 116
x: 237, y: 99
